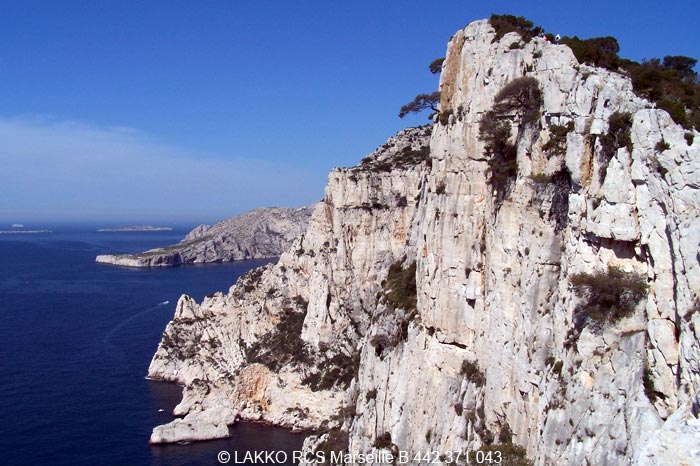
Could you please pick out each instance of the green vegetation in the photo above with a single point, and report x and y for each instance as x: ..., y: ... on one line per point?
x: 607, y: 296
x: 521, y: 98
x: 556, y: 369
x: 556, y: 145
x: 510, y: 454
x: 384, y: 441
x: 495, y: 132
x: 339, y: 370
x: 444, y: 116
x: 541, y: 178
x: 689, y: 137
x: 598, y: 51
x: 337, y: 441
x: 671, y: 83
x: 400, y: 286
x: 400, y: 293
x: 662, y: 146
x: 427, y: 101
x: 407, y: 157
x: 618, y: 135
x: 371, y: 395
x: 503, y: 24
x: 282, y: 345
x: 421, y: 102
x: 505, y: 435
x: 435, y: 66
x: 648, y: 382
x: 250, y: 280
x: 472, y: 373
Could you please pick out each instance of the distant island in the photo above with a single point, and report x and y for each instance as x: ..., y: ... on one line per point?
x: 135, y: 228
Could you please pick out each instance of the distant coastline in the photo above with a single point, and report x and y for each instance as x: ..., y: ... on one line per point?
x: 26, y: 232
x: 135, y: 228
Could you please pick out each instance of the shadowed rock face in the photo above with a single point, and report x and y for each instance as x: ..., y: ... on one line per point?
x: 258, y: 234
x: 493, y: 284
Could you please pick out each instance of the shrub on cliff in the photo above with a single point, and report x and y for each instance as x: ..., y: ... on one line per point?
x: 338, y: 370
x: 661, y: 146
x: 336, y: 441
x: 503, y: 24
x: 520, y: 99
x: 556, y: 145
x: 472, y: 373
x: 281, y: 345
x: 435, y: 66
x: 400, y: 286
x: 648, y: 383
x: 384, y: 441
x: 607, y: 296
x: 672, y: 84
x: 506, y: 454
x: 619, y: 131
x: 619, y: 135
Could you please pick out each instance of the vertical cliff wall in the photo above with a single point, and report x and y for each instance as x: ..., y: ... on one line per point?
x: 497, y: 346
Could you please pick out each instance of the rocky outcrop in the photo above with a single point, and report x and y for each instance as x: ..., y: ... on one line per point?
x: 205, y: 425
x: 258, y: 234
x: 436, y: 300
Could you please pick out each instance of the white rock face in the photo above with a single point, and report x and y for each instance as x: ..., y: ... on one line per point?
x: 258, y: 234
x: 677, y: 441
x: 207, y: 347
x: 493, y: 284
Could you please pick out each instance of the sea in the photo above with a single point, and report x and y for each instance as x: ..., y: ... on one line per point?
x: 76, y: 339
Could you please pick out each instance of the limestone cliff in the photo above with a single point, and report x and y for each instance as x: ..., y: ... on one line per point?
x: 258, y: 234
x: 435, y: 300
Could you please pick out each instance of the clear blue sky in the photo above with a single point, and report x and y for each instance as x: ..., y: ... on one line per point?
x: 172, y: 110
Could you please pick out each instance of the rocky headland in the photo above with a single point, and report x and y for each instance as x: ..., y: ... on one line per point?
x: 259, y: 234
x: 521, y: 276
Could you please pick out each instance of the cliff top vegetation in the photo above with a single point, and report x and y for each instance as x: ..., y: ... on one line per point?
x: 671, y: 83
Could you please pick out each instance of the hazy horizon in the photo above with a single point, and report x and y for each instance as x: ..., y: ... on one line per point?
x: 197, y: 112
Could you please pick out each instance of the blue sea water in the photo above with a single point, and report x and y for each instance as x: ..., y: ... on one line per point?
x: 76, y: 339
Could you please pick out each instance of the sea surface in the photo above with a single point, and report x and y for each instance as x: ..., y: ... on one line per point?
x: 76, y: 339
